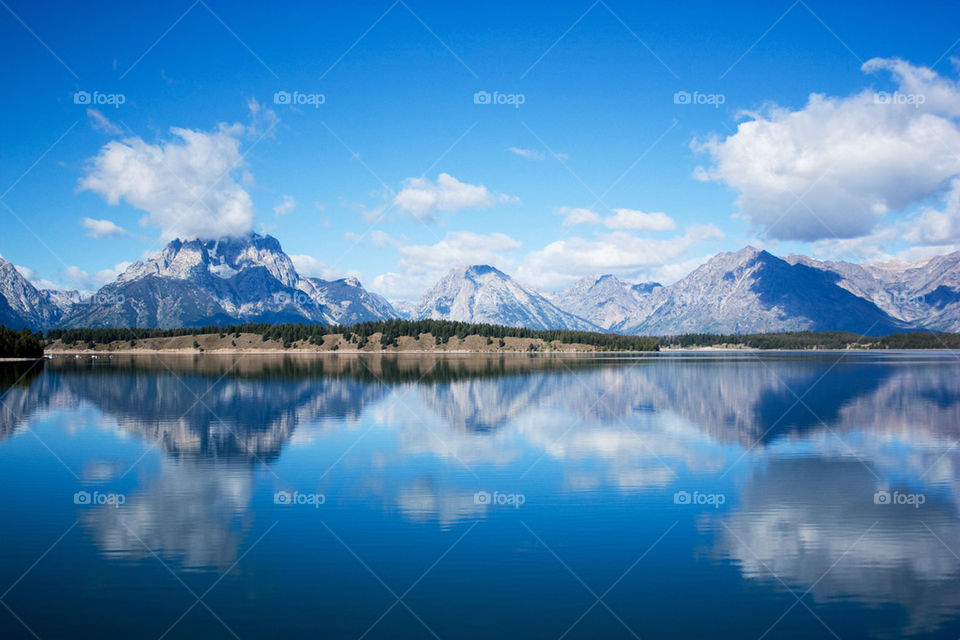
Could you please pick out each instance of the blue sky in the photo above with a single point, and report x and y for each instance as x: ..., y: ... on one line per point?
x: 400, y: 174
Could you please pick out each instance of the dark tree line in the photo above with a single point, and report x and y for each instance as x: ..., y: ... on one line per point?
x: 359, y: 334
x: 816, y: 340
x: 20, y: 344
x: 443, y: 330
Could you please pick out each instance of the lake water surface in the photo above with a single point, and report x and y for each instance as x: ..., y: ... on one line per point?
x: 698, y: 495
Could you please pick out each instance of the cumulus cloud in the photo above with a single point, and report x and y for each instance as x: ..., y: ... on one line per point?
x: 285, y: 206
x: 381, y: 239
x: 186, y: 185
x: 631, y: 219
x: 311, y: 267
x: 422, y: 265
x: 456, y: 248
x: 562, y: 262
x: 104, y: 276
x: 77, y: 278
x: 422, y: 198
x: 929, y: 231
x: 937, y: 226
x: 34, y: 278
x: 103, y: 228
x: 837, y: 166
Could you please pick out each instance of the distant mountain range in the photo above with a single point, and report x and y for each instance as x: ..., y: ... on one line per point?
x: 250, y: 279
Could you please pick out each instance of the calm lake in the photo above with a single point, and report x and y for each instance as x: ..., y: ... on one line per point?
x: 684, y: 495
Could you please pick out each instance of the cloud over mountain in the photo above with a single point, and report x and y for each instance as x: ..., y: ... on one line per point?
x: 562, y: 262
x: 422, y: 265
x: 185, y: 184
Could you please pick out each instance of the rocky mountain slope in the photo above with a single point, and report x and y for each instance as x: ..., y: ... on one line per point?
x: 201, y: 282
x: 605, y: 301
x: 926, y: 293
x: 23, y: 305
x: 753, y: 291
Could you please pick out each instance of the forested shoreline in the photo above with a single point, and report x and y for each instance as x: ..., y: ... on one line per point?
x: 20, y: 344
x: 27, y: 344
x: 359, y: 334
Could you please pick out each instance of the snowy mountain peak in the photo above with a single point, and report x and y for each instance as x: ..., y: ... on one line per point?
x: 245, y: 279
x: 480, y: 270
x: 604, y: 300
x: 752, y: 290
x: 483, y: 294
x: 223, y: 258
x: 21, y: 305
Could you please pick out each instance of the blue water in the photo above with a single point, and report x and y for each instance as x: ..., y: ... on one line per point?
x: 697, y: 495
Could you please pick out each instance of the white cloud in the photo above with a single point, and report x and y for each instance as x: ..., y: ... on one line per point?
x: 640, y: 221
x: 77, y: 278
x: 311, y: 267
x: 104, y: 276
x: 574, y: 216
x: 459, y: 248
x: 381, y: 239
x: 930, y: 231
x: 422, y: 198
x: 562, y: 262
x: 631, y: 219
x: 286, y: 205
x: 402, y: 286
x: 422, y: 265
x: 26, y: 272
x: 933, y: 226
x: 102, y: 124
x: 34, y: 279
x: 838, y: 165
x: 103, y: 228
x: 529, y: 154
x: 185, y: 184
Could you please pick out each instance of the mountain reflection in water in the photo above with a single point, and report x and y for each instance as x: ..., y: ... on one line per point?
x: 798, y: 445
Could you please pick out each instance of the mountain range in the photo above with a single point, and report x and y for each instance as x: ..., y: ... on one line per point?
x: 250, y: 279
